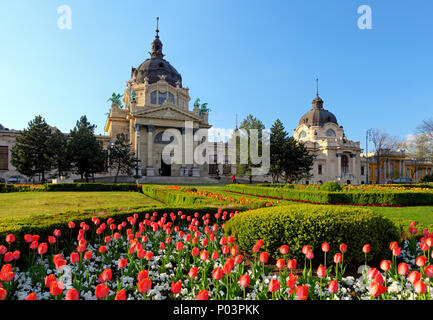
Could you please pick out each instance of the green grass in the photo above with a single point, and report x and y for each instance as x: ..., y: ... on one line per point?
x: 21, y: 204
x: 421, y: 214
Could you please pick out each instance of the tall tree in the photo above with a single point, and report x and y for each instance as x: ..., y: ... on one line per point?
x: 121, y: 156
x: 426, y: 127
x: 278, y: 139
x: 32, y: 153
x: 85, y: 152
x: 58, y: 143
x: 419, y: 148
x: 297, y: 161
x: 383, y: 144
x: 248, y: 124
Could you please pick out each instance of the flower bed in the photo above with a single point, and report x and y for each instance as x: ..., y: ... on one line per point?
x: 182, y: 255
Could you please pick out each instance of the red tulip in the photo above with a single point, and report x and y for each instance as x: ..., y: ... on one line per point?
x: 396, y: 251
x: 333, y: 286
x: 310, y: 255
x: 10, y: 238
x: 144, y: 285
x: 302, y: 292
x: 291, y: 264
x: 28, y: 238
x: 244, y: 280
x: 343, y: 247
x: 366, y: 248
x: 106, y: 275
x: 195, y: 251
x: 284, y: 249
x: 74, y: 257
x: 143, y: 274
x: 217, y: 274
x: 321, y: 271
x: 204, y: 255
x: 274, y: 285
x: 6, y: 273
x: 291, y: 282
x: 281, y: 263
x: 42, y: 248
x: 414, y: 276
x: 102, y: 249
x: 49, y: 279
x: 403, y: 269
x: 176, y: 287
x: 72, y: 294
x: 325, y: 247
x: 193, y: 272
x: 385, y: 265
x: 3, y: 249
x: 3, y: 294
x: 101, y: 291
x: 393, y: 245
x: 264, y: 256
x: 120, y: 295
x: 31, y: 296
x: 203, y: 295
x: 371, y: 273
x: 88, y: 255
x: 56, y: 288
x: 52, y: 240
x: 16, y: 255
x: 305, y: 249
x: 420, y: 261
x: 420, y: 287
x: 376, y: 289
x: 428, y: 271
x: 122, y: 263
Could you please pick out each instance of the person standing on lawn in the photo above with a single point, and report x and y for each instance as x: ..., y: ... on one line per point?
x: 233, y: 178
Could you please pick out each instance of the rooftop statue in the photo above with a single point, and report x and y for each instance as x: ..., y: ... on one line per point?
x: 115, y: 98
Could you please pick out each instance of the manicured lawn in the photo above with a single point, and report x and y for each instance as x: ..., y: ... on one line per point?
x: 28, y: 203
x: 421, y: 214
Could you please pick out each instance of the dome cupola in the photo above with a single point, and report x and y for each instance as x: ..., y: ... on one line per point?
x: 156, y: 67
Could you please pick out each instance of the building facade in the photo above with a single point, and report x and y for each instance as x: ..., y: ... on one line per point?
x: 157, y: 103
x: 337, y: 158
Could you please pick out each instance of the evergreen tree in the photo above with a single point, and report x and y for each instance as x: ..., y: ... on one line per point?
x: 32, y: 153
x: 278, y: 148
x: 85, y: 152
x: 59, y: 145
x: 121, y: 156
x: 297, y: 162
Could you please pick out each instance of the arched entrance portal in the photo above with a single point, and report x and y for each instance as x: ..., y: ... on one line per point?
x: 165, y: 168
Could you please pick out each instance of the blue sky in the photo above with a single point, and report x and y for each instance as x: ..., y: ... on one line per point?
x: 259, y: 57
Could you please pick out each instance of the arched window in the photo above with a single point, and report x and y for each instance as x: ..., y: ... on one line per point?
x: 330, y: 133
x: 303, y: 134
x: 170, y: 97
x: 158, y: 139
x: 153, y: 97
x: 161, y: 97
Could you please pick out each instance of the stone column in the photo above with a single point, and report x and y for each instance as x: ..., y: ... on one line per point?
x: 195, y: 169
x: 137, y: 129
x: 339, y: 165
x: 403, y: 168
x: 353, y: 156
x: 150, y: 171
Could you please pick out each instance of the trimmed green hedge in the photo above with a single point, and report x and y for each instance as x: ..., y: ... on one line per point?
x: 71, y: 187
x: 386, y: 197
x: 299, y: 225
x: 175, y: 197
